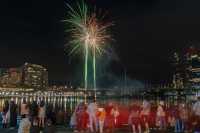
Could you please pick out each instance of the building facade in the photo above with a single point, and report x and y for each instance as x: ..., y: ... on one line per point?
x: 28, y: 75
x: 11, y: 77
x: 187, y: 68
x: 35, y: 76
x: 193, y: 66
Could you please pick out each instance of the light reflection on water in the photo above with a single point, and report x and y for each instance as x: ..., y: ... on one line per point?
x: 62, y: 102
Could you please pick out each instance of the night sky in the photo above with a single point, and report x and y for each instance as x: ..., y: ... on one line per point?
x: 146, y: 34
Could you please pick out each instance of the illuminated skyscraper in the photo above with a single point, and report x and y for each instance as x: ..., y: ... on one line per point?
x: 11, y: 77
x: 28, y: 75
x: 193, y: 66
x: 35, y: 76
x: 187, y: 67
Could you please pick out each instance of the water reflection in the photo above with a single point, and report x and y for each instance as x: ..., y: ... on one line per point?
x: 62, y: 102
x: 66, y: 101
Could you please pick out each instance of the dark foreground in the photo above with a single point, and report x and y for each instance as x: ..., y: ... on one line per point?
x: 62, y: 129
x: 58, y: 129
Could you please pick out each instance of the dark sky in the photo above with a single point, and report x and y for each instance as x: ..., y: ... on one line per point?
x: 146, y: 33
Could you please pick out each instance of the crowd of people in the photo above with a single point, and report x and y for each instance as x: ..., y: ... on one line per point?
x: 138, y: 117
x: 32, y: 117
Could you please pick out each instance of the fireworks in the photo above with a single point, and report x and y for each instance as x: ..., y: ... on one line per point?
x: 89, y: 34
x: 87, y: 29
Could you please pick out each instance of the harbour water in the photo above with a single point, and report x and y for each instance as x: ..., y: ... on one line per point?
x: 65, y: 103
x: 58, y: 100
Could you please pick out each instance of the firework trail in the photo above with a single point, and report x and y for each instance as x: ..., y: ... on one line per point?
x: 89, y: 34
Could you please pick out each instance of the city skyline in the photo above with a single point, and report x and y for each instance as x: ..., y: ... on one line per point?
x: 26, y: 75
x: 147, y: 31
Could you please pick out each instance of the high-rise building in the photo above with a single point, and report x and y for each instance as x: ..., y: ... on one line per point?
x: 178, y: 76
x: 15, y: 76
x: 193, y: 66
x: 28, y: 75
x: 35, y: 76
x: 187, y: 67
x: 11, y: 77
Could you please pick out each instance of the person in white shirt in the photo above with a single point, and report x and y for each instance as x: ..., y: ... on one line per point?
x: 92, y: 110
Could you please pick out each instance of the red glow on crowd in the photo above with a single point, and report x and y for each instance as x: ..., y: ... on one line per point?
x: 144, y: 116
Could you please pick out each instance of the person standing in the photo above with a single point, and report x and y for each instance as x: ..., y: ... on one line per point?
x: 73, y: 122
x: 91, y: 110
x: 101, y: 115
x: 4, y: 118
x: 171, y: 116
x: 196, y: 108
x: 24, y: 112
x: 13, y: 116
x: 83, y: 120
x: 145, y: 114
x: 134, y: 118
x: 179, y: 124
x: 41, y: 114
x: 110, y: 119
x: 115, y: 113
x: 196, y: 112
x: 25, y: 124
x: 160, y: 116
x: 184, y: 116
x: 34, y: 111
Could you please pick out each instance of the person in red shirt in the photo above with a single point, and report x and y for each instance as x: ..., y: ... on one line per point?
x: 83, y: 120
x: 110, y: 119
